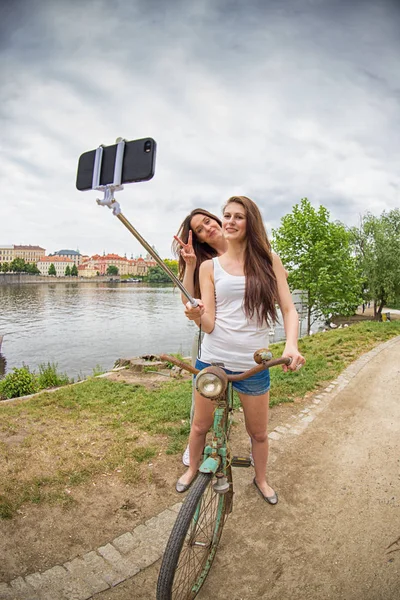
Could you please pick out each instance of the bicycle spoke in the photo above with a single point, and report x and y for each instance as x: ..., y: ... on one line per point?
x: 197, y: 544
x: 194, y: 540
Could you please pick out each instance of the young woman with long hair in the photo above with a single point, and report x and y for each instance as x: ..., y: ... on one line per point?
x: 199, y: 238
x: 239, y: 293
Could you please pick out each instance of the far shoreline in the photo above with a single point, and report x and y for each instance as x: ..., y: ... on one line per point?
x: 26, y: 278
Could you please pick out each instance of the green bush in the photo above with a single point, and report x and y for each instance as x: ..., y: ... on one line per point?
x: 49, y: 378
x: 21, y: 382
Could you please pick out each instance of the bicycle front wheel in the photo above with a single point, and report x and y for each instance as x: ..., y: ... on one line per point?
x: 194, y: 539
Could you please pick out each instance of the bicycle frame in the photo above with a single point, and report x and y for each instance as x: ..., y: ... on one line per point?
x: 217, y: 453
x: 217, y: 460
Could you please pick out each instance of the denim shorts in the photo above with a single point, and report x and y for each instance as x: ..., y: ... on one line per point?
x: 256, y: 385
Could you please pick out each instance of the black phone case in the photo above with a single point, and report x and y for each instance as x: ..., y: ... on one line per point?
x: 138, y: 164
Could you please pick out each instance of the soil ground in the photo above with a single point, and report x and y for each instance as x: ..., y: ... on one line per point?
x: 367, y: 315
x: 329, y: 536
x: 335, y: 533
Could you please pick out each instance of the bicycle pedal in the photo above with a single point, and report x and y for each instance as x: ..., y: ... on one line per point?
x: 241, y: 461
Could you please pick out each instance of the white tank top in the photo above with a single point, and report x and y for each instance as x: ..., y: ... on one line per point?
x: 234, y: 338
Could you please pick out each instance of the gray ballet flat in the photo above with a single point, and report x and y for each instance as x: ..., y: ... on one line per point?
x: 183, y: 487
x: 270, y: 499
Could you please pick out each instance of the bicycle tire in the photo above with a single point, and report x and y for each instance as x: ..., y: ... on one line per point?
x: 187, y: 559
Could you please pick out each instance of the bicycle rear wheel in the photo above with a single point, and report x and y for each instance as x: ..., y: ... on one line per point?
x: 194, y: 540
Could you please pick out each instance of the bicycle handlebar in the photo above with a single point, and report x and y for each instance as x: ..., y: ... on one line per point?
x: 264, y: 365
x: 238, y: 376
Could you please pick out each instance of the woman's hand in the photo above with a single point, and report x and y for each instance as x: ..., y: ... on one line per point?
x: 187, y: 251
x: 297, y: 359
x: 194, y: 313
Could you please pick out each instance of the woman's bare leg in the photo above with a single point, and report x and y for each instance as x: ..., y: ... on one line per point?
x: 255, y: 410
x: 202, y: 421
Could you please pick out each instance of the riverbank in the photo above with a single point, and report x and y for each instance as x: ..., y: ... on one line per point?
x: 27, y: 278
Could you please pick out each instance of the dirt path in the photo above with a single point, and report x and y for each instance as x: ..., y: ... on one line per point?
x: 335, y: 533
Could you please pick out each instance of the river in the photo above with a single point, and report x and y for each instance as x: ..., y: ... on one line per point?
x: 87, y: 325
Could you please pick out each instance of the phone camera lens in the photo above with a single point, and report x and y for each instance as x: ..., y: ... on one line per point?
x: 147, y: 146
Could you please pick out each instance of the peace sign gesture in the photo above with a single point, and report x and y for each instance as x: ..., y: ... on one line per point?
x: 187, y: 252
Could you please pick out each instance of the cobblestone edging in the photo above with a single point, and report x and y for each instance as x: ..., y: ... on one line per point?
x: 126, y: 555
x: 98, y: 570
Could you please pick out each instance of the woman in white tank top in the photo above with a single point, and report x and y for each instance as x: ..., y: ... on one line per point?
x: 239, y: 292
x: 199, y: 238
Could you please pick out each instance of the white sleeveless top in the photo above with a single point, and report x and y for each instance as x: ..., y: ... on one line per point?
x: 234, y: 338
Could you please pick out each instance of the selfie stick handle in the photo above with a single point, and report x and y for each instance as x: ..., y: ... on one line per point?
x: 110, y: 201
x: 157, y: 258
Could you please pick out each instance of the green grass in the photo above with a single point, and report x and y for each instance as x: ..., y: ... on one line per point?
x: 327, y: 355
x: 56, y: 441
x: 80, y: 432
x: 143, y: 453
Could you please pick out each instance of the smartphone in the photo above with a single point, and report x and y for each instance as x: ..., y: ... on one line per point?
x: 138, y: 164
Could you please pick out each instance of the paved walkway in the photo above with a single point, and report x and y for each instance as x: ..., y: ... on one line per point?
x: 129, y: 554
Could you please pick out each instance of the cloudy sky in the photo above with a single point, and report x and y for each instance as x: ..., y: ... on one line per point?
x: 275, y: 99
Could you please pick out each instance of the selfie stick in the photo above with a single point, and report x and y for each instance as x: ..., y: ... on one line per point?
x: 110, y: 201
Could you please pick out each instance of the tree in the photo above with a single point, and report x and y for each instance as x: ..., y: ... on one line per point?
x: 52, y: 269
x: 112, y: 270
x: 67, y: 271
x: 32, y: 269
x: 74, y: 271
x: 157, y: 275
x: 377, y: 244
x: 318, y: 256
x: 18, y: 265
x: 172, y: 265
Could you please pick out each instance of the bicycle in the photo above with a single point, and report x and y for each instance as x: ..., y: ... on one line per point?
x: 195, y: 536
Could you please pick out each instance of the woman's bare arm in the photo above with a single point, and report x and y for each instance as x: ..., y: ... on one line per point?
x: 205, y: 314
x: 289, y: 314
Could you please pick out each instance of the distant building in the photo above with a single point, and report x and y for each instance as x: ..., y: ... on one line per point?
x: 60, y: 263
x: 97, y: 264
x: 30, y: 254
x: 89, y: 268
x: 6, y: 254
x: 74, y: 255
x: 142, y: 265
x: 103, y: 262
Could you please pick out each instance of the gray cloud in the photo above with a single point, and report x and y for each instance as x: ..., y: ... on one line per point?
x: 277, y: 100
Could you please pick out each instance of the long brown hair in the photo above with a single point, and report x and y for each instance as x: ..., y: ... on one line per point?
x: 261, y: 293
x: 202, y: 250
